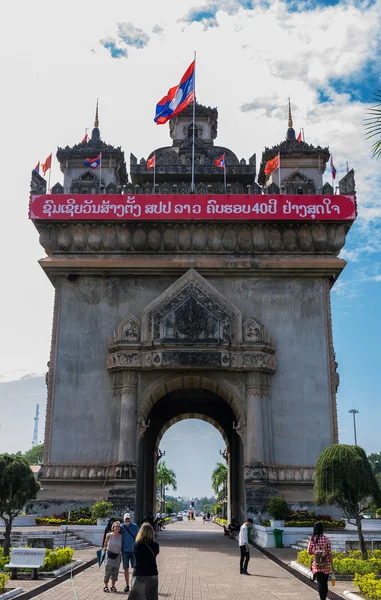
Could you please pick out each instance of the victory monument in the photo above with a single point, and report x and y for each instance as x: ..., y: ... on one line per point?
x: 170, y: 305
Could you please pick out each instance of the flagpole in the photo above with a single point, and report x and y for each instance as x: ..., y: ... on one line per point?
x: 154, y: 172
x: 50, y: 173
x: 100, y: 173
x: 332, y: 173
x: 194, y: 123
x: 225, y: 174
x: 303, y: 134
x: 279, y: 172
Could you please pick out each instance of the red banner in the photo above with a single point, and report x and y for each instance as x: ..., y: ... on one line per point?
x: 250, y: 207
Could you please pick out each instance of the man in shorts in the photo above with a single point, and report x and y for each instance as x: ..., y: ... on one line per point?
x: 128, y: 531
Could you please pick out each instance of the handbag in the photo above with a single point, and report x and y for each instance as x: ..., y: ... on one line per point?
x: 112, y: 555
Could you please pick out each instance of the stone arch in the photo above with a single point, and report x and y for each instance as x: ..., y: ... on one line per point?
x: 172, y: 383
x: 199, y: 416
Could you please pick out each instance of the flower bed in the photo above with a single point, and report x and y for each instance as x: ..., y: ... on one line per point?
x: 348, y: 563
x: 49, y: 521
x: 326, y: 524
x: 369, y: 585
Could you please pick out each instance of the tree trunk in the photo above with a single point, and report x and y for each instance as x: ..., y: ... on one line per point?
x: 7, y: 536
x: 364, y: 552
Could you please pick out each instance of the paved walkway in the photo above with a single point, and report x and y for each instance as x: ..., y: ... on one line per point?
x: 197, y: 562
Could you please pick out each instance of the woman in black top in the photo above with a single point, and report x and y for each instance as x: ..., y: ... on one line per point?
x: 145, y: 580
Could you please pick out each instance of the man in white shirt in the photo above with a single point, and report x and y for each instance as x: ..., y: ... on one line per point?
x: 243, y: 543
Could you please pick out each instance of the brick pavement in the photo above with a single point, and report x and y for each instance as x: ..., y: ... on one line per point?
x: 197, y: 562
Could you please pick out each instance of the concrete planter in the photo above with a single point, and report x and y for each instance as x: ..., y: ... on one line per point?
x: 102, y: 522
x: 22, y: 521
x: 274, y: 523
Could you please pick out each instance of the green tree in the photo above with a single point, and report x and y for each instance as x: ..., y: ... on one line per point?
x: 219, y: 478
x: 35, y: 455
x: 345, y: 477
x: 17, y: 486
x: 373, y: 125
x: 375, y: 462
x: 164, y: 477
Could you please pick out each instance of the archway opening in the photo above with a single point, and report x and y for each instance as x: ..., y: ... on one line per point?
x: 192, y: 445
x: 181, y: 405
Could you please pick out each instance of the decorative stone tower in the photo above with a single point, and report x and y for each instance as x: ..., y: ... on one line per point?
x: 174, y: 163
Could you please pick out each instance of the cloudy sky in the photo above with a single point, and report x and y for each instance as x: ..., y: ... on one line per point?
x: 251, y: 56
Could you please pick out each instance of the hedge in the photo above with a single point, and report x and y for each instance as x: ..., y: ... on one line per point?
x: 221, y: 521
x: 348, y: 563
x: 369, y: 586
x: 4, y: 560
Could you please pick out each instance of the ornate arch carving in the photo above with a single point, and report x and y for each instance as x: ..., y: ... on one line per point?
x: 191, y: 325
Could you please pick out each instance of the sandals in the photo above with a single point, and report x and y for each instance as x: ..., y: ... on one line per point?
x: 113, y: 589
x: 105, y: 589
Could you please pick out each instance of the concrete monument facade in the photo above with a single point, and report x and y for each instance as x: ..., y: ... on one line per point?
x: 159, y: 321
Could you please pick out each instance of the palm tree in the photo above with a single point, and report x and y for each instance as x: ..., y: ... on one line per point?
x: 220, y: 480
x: 373, y: 125
x: 164, y: 477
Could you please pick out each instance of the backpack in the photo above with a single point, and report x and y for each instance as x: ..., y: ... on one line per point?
x: 320, y: 559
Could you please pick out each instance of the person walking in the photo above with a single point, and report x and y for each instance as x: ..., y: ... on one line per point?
x: 243, y: 542
x: 129, y: 531
x: 322, y: 565
x: 145, y: 577
x: 113, y: 546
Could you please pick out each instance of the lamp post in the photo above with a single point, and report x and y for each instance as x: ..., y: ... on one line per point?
x: 354, y: 413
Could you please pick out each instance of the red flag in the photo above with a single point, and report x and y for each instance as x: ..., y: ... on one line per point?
x: 300, y: 139
x: 272, y: 164
x: 37, y: 168
x: 151, y: 163
x: 47, y: 164
x: 85, y: 138
x: 220, y: 162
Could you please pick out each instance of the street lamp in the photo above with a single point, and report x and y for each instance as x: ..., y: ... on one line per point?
x: 354, y: 413
x: 159, y: 454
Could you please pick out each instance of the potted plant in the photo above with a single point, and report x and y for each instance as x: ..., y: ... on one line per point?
x: 278, y: 510
x: 100, y: 511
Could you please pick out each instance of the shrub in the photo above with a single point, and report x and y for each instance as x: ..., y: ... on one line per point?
x: 221, y: 521
x: 4, y: 560
x: 101, y: 509
x: 369, y: 586
x: 54, y: 559
x: 347, y: 563
x: 3, y: 580
x: 378, y: 512
x: 278, y: 508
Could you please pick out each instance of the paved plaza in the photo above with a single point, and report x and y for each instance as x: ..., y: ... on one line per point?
x: 196, y: 562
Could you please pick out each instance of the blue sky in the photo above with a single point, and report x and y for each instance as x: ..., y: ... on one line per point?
x: 252, y: 56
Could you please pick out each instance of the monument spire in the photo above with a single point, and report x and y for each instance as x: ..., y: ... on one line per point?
x: 290, y: 131
x: 96, y: 122
x: 96, y: 134
x: 290, y: 124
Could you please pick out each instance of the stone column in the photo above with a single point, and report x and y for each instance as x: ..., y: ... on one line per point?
x: 257, y: 446
x: 126, y: 386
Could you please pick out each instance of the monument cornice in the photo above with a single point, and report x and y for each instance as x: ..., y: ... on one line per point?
x: 186, y: 237
x: 266, y: 267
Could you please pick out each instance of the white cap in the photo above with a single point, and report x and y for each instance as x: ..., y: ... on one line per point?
x: 126, y: 516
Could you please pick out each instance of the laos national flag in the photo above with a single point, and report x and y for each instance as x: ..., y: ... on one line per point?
x: 94, y: 163
x: 177, y: 98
